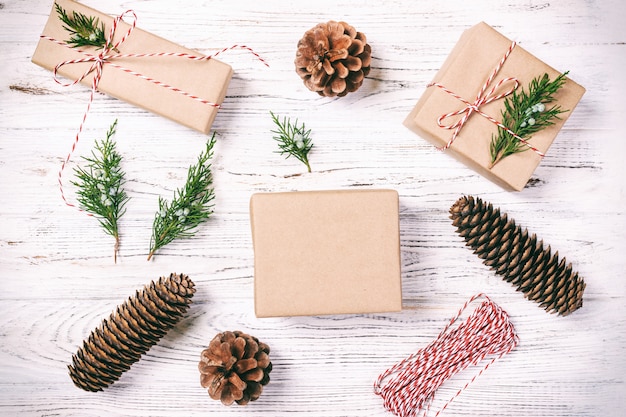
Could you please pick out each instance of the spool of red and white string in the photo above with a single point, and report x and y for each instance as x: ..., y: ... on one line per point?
x: 408, y: 388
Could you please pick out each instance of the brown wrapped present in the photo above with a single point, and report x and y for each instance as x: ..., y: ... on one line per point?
x: 184, y: 90
x: 465, y: 72
x: 326, y: 252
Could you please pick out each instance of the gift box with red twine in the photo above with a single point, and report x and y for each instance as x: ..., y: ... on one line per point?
x: 461, y: 109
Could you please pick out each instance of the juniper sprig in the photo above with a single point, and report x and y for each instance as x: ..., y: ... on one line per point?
x: 100, y: 186
x: 190, y: 206
x: 85, y: 30
x: 293, y: 140
x: 525, y: 114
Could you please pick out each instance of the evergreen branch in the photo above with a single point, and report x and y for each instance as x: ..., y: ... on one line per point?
x: 100, y: 186
x: 293, y: 140
x: 85, y: 30
x: 525, y: 114
x: 190, y: 206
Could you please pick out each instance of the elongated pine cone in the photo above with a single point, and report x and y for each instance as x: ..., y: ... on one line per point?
x: 130, y: 331
x: 235, y: 367
x: 517, y: 256
x: 333, y: 59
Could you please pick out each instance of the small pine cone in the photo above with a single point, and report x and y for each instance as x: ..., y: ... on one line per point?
x: 333, y: 59
x: 130, y: 331
x: 235, y: 367
x: 518, y: 257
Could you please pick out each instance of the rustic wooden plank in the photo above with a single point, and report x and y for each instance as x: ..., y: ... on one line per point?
x: 59, y: 279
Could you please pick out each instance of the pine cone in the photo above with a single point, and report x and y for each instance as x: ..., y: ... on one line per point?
x: 333, y: 59
x: 519, y: 258
x: 130, y: 331
x: 235, y: 367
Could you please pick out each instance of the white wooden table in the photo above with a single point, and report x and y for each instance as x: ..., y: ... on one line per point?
x: 58, y: 276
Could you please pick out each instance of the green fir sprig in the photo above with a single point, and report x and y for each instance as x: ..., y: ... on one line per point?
x: 100, y: 186
x: 525, y: 114
x: 190, y: 206
x: 85, y: 30
x: 293, y: 140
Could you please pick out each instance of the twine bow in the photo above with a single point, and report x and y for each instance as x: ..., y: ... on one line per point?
x: 106, y: 57
x: 99, y: 60
x: 481, y: 100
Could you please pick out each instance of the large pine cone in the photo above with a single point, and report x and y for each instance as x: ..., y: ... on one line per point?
x: 333, y: 59
x: 235, y: 367
x: 130, y: 331
x: 519, y: 258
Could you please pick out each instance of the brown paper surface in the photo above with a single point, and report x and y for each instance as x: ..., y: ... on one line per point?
x: 464, y: 72
x: 206, y: 79
x: 326, y: 252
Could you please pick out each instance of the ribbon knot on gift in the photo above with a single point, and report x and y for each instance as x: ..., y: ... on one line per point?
x: 105, y: 57
x: 99, y: 60
x: 481, y: 100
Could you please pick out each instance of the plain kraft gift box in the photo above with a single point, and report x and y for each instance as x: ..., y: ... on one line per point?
x: 326, y: 252
x: 464, y: 72
x: 206, y: 79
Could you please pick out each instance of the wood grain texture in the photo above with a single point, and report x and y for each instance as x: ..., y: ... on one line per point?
x: 59, y: 280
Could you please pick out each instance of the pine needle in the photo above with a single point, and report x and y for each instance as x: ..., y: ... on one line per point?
x: 190, y: 206
x: 293, y: 140
x: 100, y: 186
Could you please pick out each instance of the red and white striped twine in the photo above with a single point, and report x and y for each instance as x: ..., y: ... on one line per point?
x: 106, y: 57
x: 409, y: 387
x: 481, y: 99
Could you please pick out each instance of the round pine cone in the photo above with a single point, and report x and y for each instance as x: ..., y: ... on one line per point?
x: 333, y: 59
x: 235, y: 367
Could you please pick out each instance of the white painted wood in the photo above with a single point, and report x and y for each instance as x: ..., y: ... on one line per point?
x: 59, y: 280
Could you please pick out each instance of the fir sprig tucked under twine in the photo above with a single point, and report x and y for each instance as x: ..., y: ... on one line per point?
x: 293, y: 139
x: 525, y: 114
x: 100, y: 186
x: 85, y: 30
x: 190, y: 206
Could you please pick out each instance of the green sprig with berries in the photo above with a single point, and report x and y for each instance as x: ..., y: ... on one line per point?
x: 100, y: 186
x: 293, y: 139
x: 85, y: 30
x: 525, y: 114
x: 190, y: 206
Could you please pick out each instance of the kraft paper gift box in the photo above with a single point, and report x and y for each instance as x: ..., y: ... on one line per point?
x: 464, y: 73
x: 206, y: 79
x: 326, y: 252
